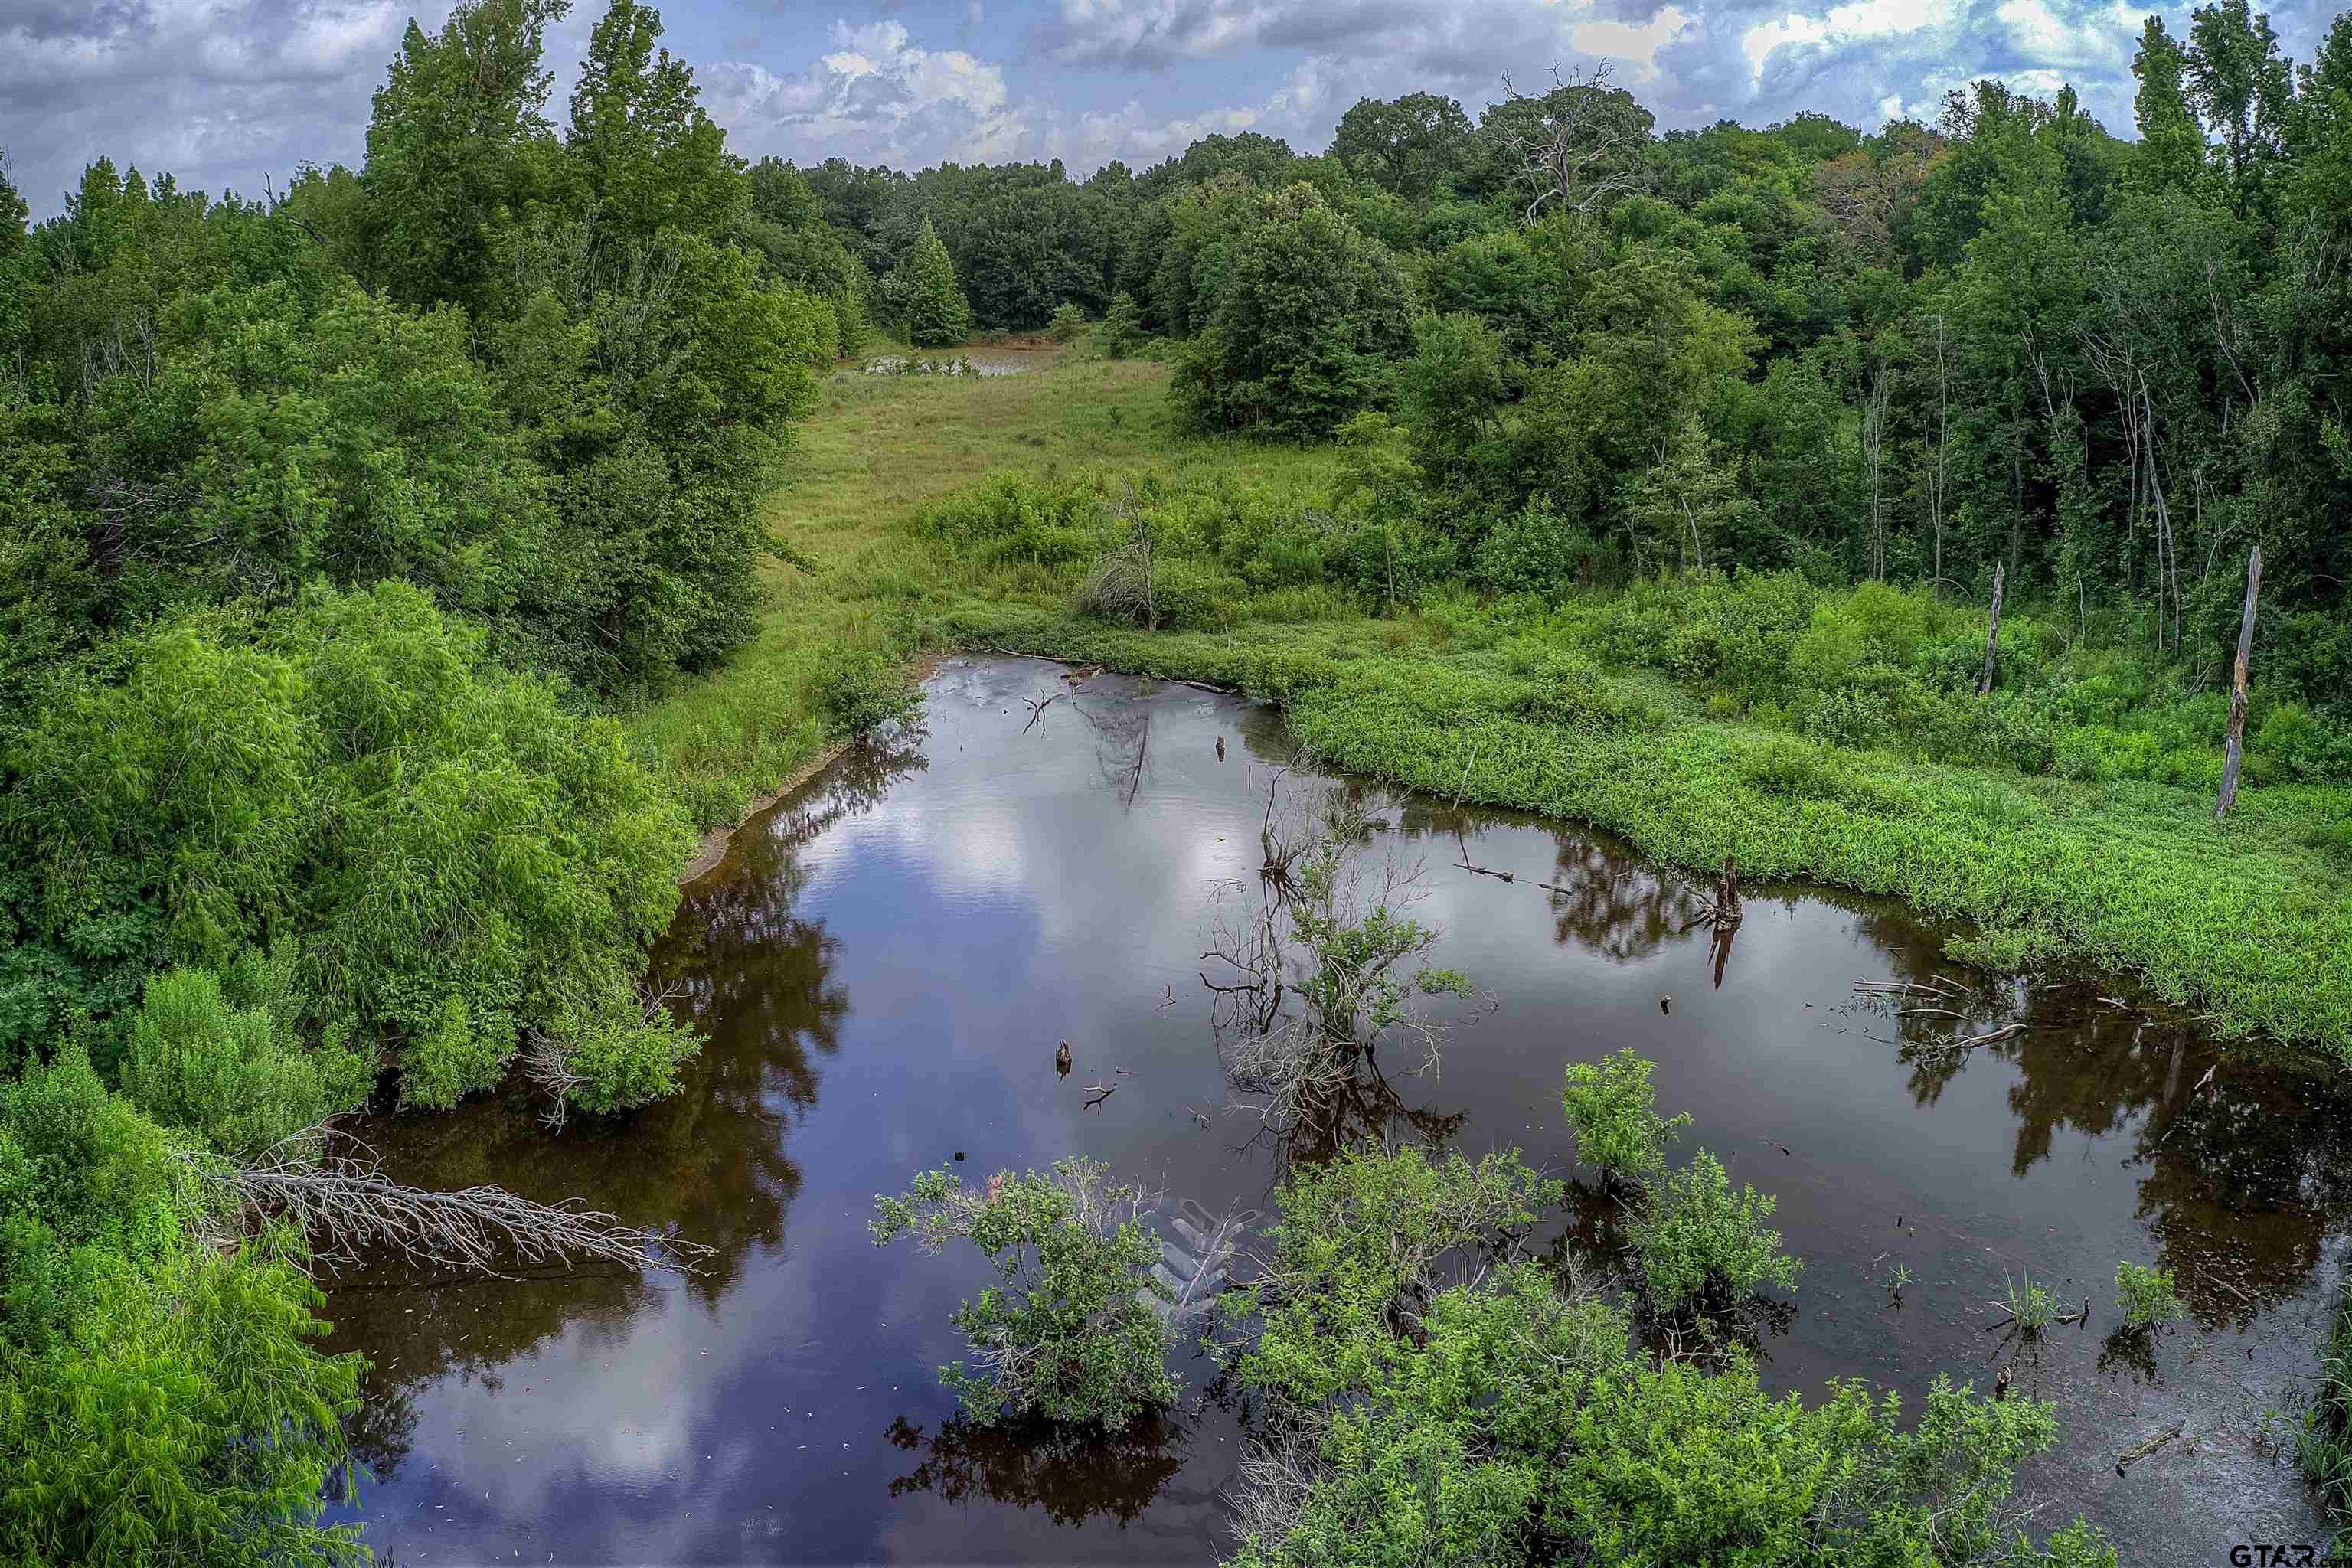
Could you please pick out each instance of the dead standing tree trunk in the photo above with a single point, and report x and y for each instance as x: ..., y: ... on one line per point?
x: 2237, y: 735
x: 1992, y: 635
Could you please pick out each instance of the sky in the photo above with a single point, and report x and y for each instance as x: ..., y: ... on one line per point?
x: 225, y: 92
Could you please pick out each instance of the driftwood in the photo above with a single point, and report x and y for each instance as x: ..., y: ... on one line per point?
x: 2235, y: 740
x: 1185, y: 1280
x: 1037, y: 710
x: 1719, y: 906
x: 1943, y: 988
x: 347, y: 1207
x: 1098, y: 1092
x: 2141, y: 1450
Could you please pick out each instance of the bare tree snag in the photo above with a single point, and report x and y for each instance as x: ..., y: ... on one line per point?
x: 1993, y: 633
x: 2235, y: 744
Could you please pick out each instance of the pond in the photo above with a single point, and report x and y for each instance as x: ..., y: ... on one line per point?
x: 884, y: 964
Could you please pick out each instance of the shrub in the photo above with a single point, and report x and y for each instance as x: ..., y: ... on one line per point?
x: 1697, y: 1242
x: 456, y: 857
x: 1120, y: 332
x: 1537, y: 550
x: 1856, y: 719
x: 1065, y: 1337
x: 1428, y: 1425
x: 860, y: 694
x: 1613, y: 1109
x: 1067, y: 323
x: 1016, y: 519
x: 226, y: 1060
x: 161, y: 1400
x: 2146, y: 1298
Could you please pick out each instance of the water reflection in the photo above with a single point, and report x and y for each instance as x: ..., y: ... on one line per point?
x: 1072, y: 1471
x: 2245, y: 1168
x: 711, y: 1161
x: 882, y: 969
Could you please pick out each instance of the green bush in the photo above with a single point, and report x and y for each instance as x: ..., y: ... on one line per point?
x: 1425, y: 1423
x: 161, y: 1400
x: 1012, y: 519
x: 1068, y: 322
x: 1537, y: 550
x: 1065, y: 1337
x: 1698, y: 1243
x: 455, y: 855
x: 2146, y: 1298
x: 222, y: 1056
x: 1194, y: 595
x: 1857, y: 719
x: 1119, y: 334
x: 1613, y: 1110
x: 859, y: 695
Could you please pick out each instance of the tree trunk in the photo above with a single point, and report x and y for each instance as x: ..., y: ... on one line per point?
x: 1993, y: 633
x: 2237, y: 736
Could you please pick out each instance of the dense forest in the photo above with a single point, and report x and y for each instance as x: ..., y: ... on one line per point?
x: 338, y: 525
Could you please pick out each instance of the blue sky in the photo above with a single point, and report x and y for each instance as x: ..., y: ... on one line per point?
x: 221, y: 92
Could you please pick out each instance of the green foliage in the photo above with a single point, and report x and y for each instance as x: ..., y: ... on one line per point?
x: 1698, y: 1244
x: 1299, y: 313
x: 456, y: 859
x: 223, y: 1055
x: 1509, y: 1420
x: 1068, y: 322
x: 1613, y: 1110
x: 937, y: 313
x: 160, y: 1400
x: 1065, y: 1337
x: 2146, y: 1298
x: 859, y: 695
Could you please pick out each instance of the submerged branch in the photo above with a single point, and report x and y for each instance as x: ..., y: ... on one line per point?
x: 347, y: 1207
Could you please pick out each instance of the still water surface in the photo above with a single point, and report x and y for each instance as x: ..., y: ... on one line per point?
x: 883, y: 966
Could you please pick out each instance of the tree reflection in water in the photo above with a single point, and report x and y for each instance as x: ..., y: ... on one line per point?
x: 1072, y: 1471
x: 2245, y: 1166
x: 710, y: 1159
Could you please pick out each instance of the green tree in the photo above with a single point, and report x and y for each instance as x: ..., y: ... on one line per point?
x: 1306, y: 317
x: 1688, y: 500
x: 457, y: 860
x: 937, y: 313
x: 457, y: 141
x: 646, y: 158
x: 1407, y: 145
x: 1067, y: 1337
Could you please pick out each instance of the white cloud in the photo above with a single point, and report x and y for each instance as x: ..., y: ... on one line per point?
x: 1636, y: 44
x: 877, y: 95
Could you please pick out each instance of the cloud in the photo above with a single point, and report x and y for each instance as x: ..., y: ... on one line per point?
x: 876, y: 96
x: 214, y: 91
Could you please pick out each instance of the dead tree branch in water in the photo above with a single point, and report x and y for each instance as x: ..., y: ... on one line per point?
x: 1037, y: 710
x: 348, y: 1207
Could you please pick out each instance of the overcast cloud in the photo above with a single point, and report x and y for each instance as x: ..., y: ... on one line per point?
x: 222, y: 93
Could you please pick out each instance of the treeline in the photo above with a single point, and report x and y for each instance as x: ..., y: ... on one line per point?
x: 2010, y: 340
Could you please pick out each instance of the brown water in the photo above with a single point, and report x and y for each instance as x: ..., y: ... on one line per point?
x: 884, y: 964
